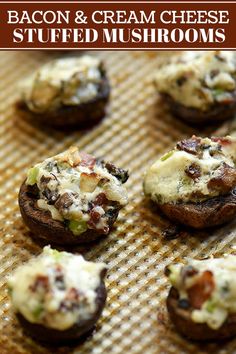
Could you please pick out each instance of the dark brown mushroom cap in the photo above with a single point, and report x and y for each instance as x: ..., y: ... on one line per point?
x: 53, y: 231
x: 181, y: 318
x: 218, y: 112
x: 82, y: 115
x: 46, y: 334
x: 212, y: 212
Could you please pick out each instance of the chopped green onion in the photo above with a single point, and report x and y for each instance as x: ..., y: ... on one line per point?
x: 186, y: 181
x: 210, y: 306
x: 218, y: 92
x: 78, y: 227
x: 167, y: 155
x: 37, y: 311
x: 56, y: 254
x: 32, y: 176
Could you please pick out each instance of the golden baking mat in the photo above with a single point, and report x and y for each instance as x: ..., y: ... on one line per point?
x: 137, y: 129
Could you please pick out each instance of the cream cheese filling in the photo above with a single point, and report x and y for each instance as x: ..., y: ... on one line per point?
x: 37, y: 294
x: 166, y: 180
x: 222, y: 301
x: 82, y: 185
x: 67, y: 81
x: 199, y: 79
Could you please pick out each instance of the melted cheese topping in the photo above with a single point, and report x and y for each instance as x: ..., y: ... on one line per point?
x: 56, y: 289
x: 222, y: 301
x: 167, y: 181
x: 68, y: 82
x: 70, y: 187
x: 199, y: 79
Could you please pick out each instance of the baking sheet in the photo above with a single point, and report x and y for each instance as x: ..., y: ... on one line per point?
x: 136, y: 130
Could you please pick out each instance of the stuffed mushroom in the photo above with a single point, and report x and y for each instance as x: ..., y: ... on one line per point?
x: 67, y: 92
x: 72, y: 198
x: 194, y: 184
x: 200, y: 86
x: 202, y: 300
x: 58, y: 296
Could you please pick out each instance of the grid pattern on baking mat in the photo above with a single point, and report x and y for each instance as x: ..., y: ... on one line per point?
x: 136, y: 130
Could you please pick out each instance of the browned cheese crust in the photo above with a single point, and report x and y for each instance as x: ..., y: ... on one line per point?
x: 82, y: 115
x: 218, y: 112
x: 181, y: 318
x: 53, y: 231
x: 45, y: 334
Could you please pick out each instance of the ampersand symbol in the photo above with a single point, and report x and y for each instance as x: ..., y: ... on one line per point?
x: 80, y: 17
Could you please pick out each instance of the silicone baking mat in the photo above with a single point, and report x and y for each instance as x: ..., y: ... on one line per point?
x: 136, y: 130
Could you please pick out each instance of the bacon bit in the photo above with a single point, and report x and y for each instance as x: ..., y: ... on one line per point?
x: 87, y: 160
x: 227, y: 99
x: 201, y: 290
x: 88, y: 182
x: 225, y: 181
x: 41, y: 281
x: 100, y: 200
x: 72, y: 294
x: 193, y: 171
x: 95, y: 216
x: 221, y: 140
x: 189, y: 145
x: 71, y: 301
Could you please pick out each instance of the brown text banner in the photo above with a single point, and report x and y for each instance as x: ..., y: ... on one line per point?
x: 117, y: 25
